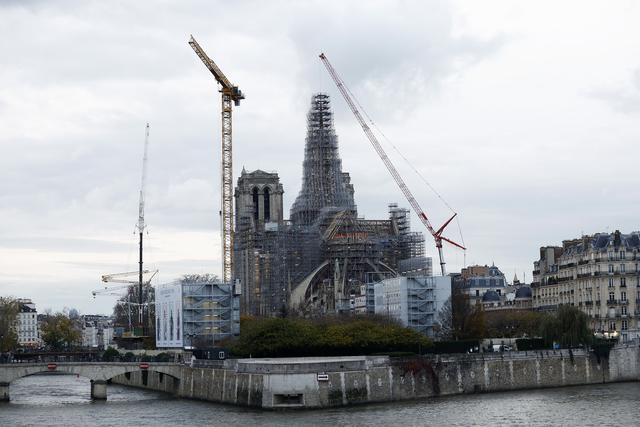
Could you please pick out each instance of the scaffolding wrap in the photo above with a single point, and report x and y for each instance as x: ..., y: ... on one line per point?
x: 323, y: 182
x: 319, y: 260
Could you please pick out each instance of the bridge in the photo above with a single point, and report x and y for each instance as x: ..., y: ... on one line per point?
x: 99, y: 373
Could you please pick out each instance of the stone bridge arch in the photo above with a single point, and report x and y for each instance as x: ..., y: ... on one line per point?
x: 98, y: 373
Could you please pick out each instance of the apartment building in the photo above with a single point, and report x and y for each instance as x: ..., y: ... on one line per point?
x: 599, y: 274
x: 27, y: 324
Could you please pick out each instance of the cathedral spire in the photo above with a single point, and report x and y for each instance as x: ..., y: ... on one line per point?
x: 323, y: 182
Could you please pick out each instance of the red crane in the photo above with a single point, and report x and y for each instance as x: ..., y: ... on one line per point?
x: 437, y: 234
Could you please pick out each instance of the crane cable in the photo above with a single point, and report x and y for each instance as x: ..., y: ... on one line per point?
x: 375, y: 126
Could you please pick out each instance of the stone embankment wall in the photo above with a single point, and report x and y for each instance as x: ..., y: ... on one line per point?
x: 295, y: 383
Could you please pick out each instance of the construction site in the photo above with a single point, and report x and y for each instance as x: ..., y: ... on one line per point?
x: 325, y: 256
x: 325, y: 259
x: 316, y: 261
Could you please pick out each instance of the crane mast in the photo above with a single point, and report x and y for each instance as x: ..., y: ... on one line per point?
x: 140, y: 226
x: 437, y: 234
x: 230, y: 93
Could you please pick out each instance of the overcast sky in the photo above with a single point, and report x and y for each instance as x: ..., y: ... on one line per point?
x: 522, y: 114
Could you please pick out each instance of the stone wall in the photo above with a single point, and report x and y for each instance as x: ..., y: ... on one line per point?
x: 294, y: 383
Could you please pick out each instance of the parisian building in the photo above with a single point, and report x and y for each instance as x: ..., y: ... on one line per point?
x: 27, y: 324
x: 413, y: 300
x: 476, y: 280
x: 97, y: 331
x: 599, y: 274
x: 196, y: 312
x: 517, y: 296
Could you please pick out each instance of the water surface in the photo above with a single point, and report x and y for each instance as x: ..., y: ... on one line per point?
x: 64, y: 400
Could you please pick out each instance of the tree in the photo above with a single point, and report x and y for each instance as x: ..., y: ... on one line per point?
x: 110, y: 354
x: 125, y: 305
x: 60, y: 332
x: 568, y: 326
x: 331, y: 336
x: 459, y: 320
x: 9, y: 309
x: 513, y: 323
x: 199, y: 278
x: 443, y: 326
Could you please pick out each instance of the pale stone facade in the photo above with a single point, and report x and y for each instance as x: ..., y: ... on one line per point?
x: 27, y: 324
x: 599, y: 274
x: 477, y: 280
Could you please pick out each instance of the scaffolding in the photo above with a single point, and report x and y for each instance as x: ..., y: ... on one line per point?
x: 318, y: 260
x: 323, y: 182
x: 210, y: 312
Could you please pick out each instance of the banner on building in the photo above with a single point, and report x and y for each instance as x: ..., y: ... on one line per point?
x: 169, y: 315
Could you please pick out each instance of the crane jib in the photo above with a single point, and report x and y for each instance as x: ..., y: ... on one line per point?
x: 389, y: 165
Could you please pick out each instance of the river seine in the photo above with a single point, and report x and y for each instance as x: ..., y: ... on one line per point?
x: 63, y: 400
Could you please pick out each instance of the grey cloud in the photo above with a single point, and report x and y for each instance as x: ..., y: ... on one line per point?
x: 83, y: 77
x: 62, y: 244
x: 391, y: 59
x: 623, y: 100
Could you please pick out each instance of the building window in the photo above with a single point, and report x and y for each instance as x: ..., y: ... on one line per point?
x: 624, y: 325
x: 267, y: 205
x: 623, y: 310
x: 623, y: 296
x: 623, y: 281
x: 622, y: 268
x: 612, y: 325
x: 622, y: 255
x: 477, y: 293
x: 611, y: 282
x: 256, y: 206
x: 610, y: 268
x: 612, y: 296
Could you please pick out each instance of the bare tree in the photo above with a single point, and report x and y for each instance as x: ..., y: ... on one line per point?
x: 444, y: 324
x: 9, y: 308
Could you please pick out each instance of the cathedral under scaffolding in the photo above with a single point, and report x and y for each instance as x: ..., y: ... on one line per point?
x: 316, y: 262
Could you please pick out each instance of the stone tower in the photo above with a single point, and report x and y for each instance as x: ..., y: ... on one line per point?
x: 258, y: 199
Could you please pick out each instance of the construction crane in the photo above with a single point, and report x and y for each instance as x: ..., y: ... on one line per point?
x: 127, y: 286
x: 140, y: 227
x: 229, y: 93
x: 437, y: 234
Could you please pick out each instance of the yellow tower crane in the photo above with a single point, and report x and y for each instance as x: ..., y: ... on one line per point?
x: 229, y: 93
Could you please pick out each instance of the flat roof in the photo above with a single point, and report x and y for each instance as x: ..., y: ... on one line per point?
x: 304, y: 360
